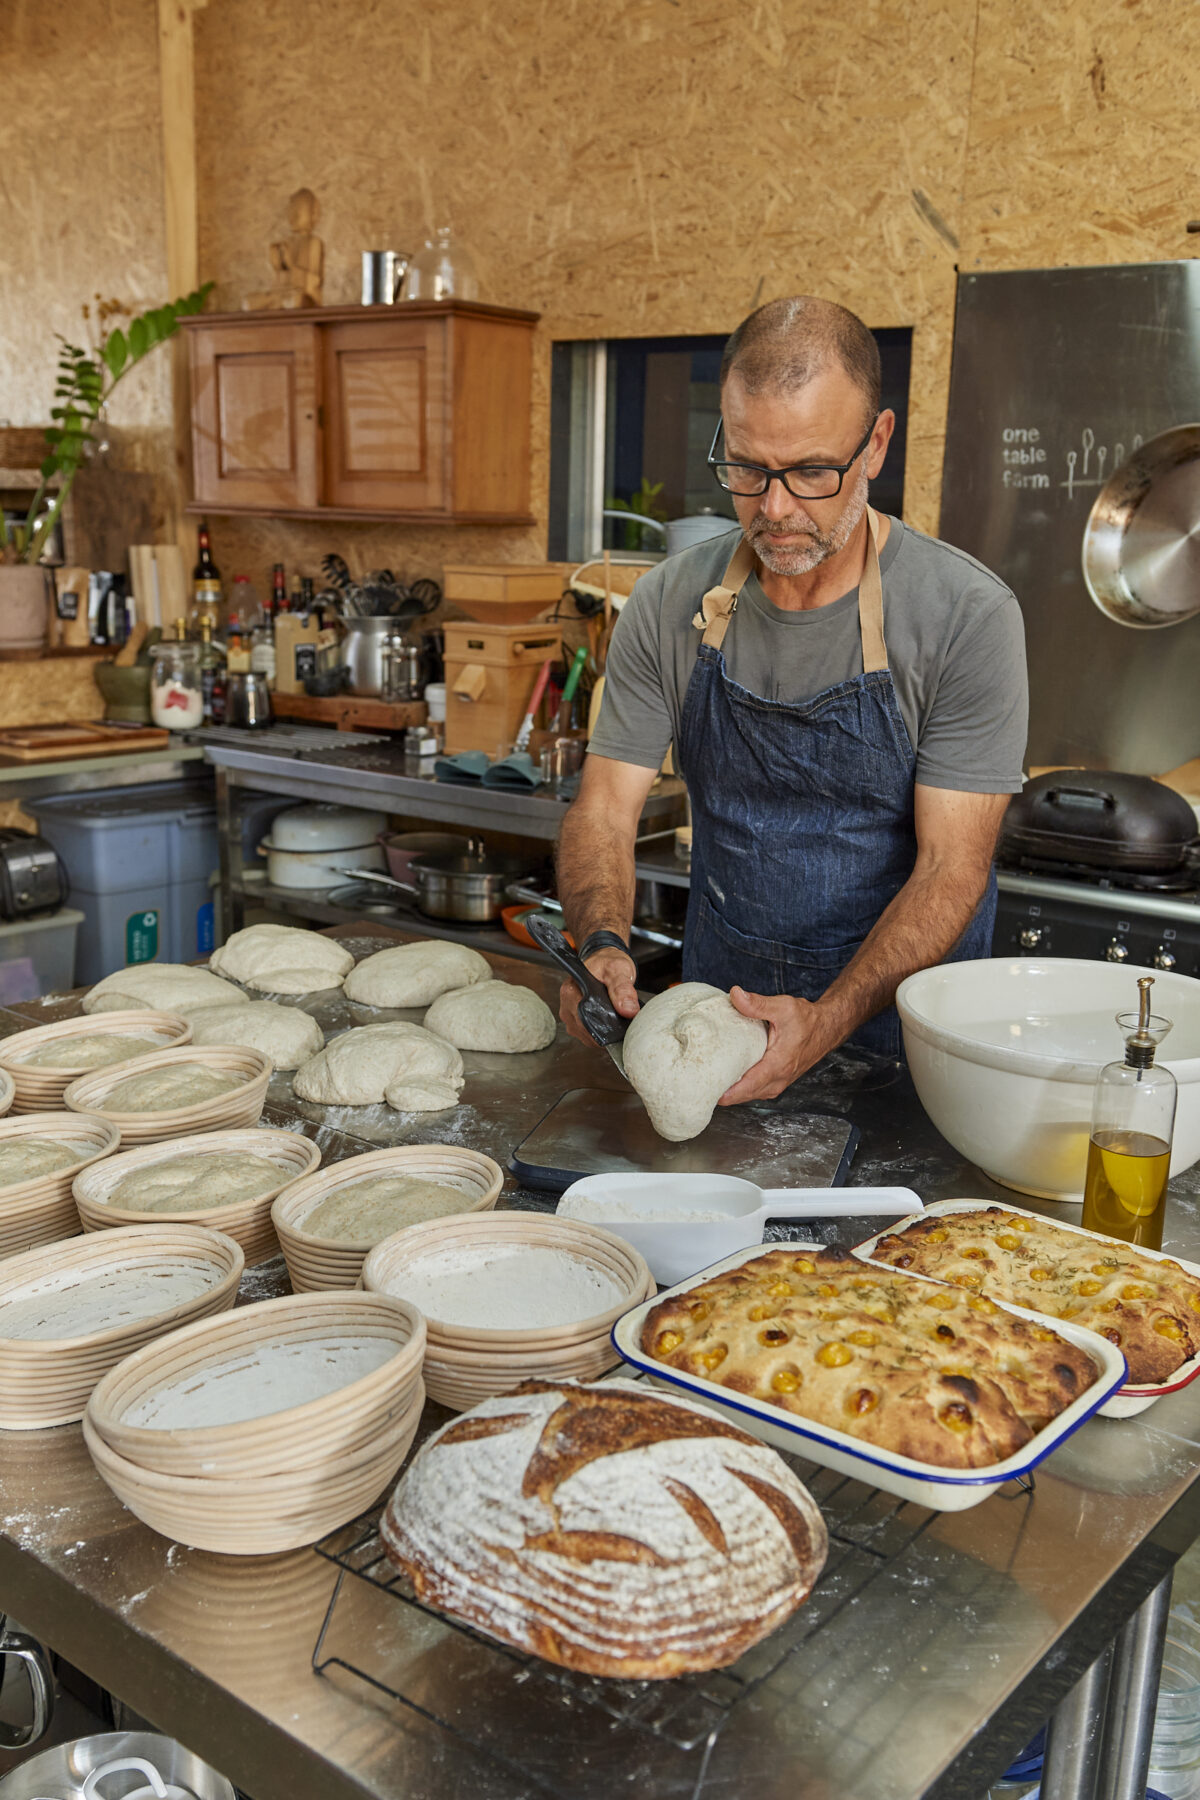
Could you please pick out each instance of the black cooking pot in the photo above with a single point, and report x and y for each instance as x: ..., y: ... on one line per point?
x: 1108, y: 821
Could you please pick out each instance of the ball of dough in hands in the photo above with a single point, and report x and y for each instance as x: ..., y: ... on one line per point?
x: 683, y: 1050
x: 288, y: 1035
x: 407, y: 1066
x: 170, y: 987
x: 414, y: 974
x: 493, y: 1015
x: 282, y: 959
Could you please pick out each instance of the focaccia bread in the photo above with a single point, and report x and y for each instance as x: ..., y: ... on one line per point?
x: 943, y: 1377
x: 607, y: 1529
x: 1149, y: 1309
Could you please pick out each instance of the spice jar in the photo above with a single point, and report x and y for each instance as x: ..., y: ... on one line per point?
x: 176, y: 699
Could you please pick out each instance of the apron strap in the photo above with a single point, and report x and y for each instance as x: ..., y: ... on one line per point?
x: 720, y: 603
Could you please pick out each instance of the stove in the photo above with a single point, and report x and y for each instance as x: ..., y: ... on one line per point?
x: 1084, y: 913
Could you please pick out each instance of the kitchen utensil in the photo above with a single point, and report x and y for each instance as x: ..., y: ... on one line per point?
x: 365, y: 652
x: 570, y: 686
x: 675, y: 1247
x: 514, y: 923
x: 1004, y: 1055
x: 60, y: 743
x: 39, y: 1672
x: 401, y: 847
x: 247, y: 700
x: 1141, y: 552
x: 469, y: 887
x: 597, y: 1014
x: 535, y: 895
x: 63, y: 1771
x: 32, y: 877
x: 383, y: 273
x: 401, y: 669
x: 1104, y: 819
x: 539, y: 688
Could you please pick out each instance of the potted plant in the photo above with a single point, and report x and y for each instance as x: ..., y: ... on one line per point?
x: 82, y: 389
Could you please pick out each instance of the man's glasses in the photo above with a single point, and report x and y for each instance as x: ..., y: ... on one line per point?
x: 806, y: 481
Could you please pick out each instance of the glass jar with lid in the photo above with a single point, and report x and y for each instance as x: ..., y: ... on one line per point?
x: 176, y: 696
x: 441, y: 271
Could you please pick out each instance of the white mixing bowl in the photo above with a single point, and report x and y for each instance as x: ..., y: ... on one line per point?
x: 1004, y: 1055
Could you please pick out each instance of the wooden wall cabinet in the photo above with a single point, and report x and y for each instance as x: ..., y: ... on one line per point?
x: 419, y: 411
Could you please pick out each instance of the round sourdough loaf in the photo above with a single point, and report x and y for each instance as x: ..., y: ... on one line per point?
x: 607, y: 1529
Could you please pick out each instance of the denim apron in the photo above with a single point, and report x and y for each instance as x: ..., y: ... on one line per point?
x: 802, y: 816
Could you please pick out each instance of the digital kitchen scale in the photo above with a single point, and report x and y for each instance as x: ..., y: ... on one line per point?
x: 599, y: 1131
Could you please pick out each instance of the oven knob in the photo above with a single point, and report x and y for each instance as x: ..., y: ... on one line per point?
x: 1163, y: 958
x: 1117, y: 951
x: 1031, y: 936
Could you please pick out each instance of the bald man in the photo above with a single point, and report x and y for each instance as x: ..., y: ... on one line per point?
x: 848, y: 704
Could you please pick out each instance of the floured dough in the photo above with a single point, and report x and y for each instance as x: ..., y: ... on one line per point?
x: 21, y: 1159
x: 415, y: 974
x: 493, y: 1015
x: 169, y: 987
x: 159, y: 1090
x: 403, y: 1064
x: 365, y: 1212
x: 683, y: 1050
x: 282, y: 959
x: 193, y: 1183
x: 93, y: 1051
x: 284, y: 1033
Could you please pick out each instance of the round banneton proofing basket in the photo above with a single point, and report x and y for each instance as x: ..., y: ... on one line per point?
x: 252, y: 1485
x: 464, y: 1365
x: 248, y: 1221
x: 47, y: 1381
x: 317, y: 1262
x: 240, y: 1107
x: 41, y: 1089
x: 42, y: 1210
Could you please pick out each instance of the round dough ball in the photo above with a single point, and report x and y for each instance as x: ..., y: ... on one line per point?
x: 95, y: 1050
x: 169, y: 987
x: 683, y: 1050
x: 415, y: 974
x: 365, y: 1212
x: 194, y: 1183
x: 493, y: 1015
x: 21, y: 1159
x: 161, y: 1089
x: 282, y: 959
x: 286, y: 1034
x: 373, y: 1062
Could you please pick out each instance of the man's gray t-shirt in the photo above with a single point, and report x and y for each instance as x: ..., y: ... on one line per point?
x: 955, y: 642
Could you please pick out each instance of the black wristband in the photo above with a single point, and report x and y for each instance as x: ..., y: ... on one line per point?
x: 603, y: 940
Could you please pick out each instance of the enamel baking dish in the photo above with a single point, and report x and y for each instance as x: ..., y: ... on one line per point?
x: 945, y: 1490
x: 1131, y: 1399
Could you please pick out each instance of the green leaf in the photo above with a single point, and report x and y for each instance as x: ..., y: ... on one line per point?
x: 139, y: 339
x: 115, y: 351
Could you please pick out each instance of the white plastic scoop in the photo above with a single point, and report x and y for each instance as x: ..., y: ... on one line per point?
x: 682, y: 1223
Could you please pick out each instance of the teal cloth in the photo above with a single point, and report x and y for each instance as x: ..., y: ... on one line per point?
x: 466, y: 769
x: 515, y: 771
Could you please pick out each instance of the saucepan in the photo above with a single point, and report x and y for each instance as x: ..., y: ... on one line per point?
x: 138, y: 1764
x: 1141, y: 544
x: 681, y: 1223
x: 470, y: 888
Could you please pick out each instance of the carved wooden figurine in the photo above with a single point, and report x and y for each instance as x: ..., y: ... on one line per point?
x: 298, y: 262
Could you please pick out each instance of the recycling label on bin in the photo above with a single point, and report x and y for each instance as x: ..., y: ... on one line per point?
x: 141, y: 937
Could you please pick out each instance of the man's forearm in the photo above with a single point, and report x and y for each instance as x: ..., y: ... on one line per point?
x: 595, y: 874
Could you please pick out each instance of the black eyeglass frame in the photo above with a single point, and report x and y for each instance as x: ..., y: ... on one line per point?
x: 841, y: 470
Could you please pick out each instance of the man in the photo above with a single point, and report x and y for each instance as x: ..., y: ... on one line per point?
x: 847, y: 701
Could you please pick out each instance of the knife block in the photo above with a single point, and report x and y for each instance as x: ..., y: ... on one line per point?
x: 491, y: 671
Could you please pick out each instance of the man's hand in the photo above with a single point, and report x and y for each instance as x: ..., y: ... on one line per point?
x: 799, y: 1034
x: 616, y: 971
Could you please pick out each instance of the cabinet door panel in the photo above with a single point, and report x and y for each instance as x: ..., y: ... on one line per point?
x: 254, y: 415
x: 385, y: 423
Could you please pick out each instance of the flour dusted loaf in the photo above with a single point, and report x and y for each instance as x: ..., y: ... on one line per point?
x: 926, y: 1371
x: 170, y: 987
x: 683, y: 1050
x: 607, y: 1529
x: 164, y: 1089
x: 284, y: 1033
x: 1149, y: 1309
x: 415, y: 974
x: 493, y: 1015
x: 92, y: 1051
x: 404, y: 1064
x: 282, y: 959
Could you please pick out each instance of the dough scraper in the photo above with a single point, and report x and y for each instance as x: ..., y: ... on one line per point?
x: 597, y: 1014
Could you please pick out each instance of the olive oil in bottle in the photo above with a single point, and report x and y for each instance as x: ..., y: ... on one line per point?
x: 1129, y: 1153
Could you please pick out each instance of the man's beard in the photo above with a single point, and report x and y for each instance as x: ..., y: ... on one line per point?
x: 818, y: 546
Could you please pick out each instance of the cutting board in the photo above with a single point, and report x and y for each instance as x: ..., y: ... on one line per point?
x: 57, y: 743
x: 598, y: 1131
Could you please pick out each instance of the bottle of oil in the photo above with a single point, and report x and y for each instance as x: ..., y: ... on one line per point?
x: 1129, y: 1155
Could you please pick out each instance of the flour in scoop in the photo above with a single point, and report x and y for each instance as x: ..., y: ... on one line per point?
x: 509, y: 1287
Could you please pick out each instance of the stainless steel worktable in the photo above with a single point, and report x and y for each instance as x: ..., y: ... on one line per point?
x: 931, y: 1649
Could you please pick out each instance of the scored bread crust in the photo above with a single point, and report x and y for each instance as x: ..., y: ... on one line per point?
x: 1085, y: 1278
x: 939, y: 1376
x: 607, y: 1529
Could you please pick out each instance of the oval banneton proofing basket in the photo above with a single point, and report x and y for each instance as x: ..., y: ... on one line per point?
x: 42, y: 1089
x: 7, y: 1091
x: 48, y: 1381
x: 466, y: 1364
x: 42, y: 1209
x: 240, y: 1107
x: 248, y: 1221
x: 287, y: 1439
x: 315, y: 1262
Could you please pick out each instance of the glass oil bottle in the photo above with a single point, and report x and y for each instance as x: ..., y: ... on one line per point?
x: 1129, y: 1153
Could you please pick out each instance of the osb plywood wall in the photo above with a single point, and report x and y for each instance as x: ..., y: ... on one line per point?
x: 650, y: 166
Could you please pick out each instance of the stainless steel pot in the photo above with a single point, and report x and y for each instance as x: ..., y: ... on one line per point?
x: 1141, y: 544
x: 471, y: 889
x: 71, y: 1771
x: 363, y: 652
